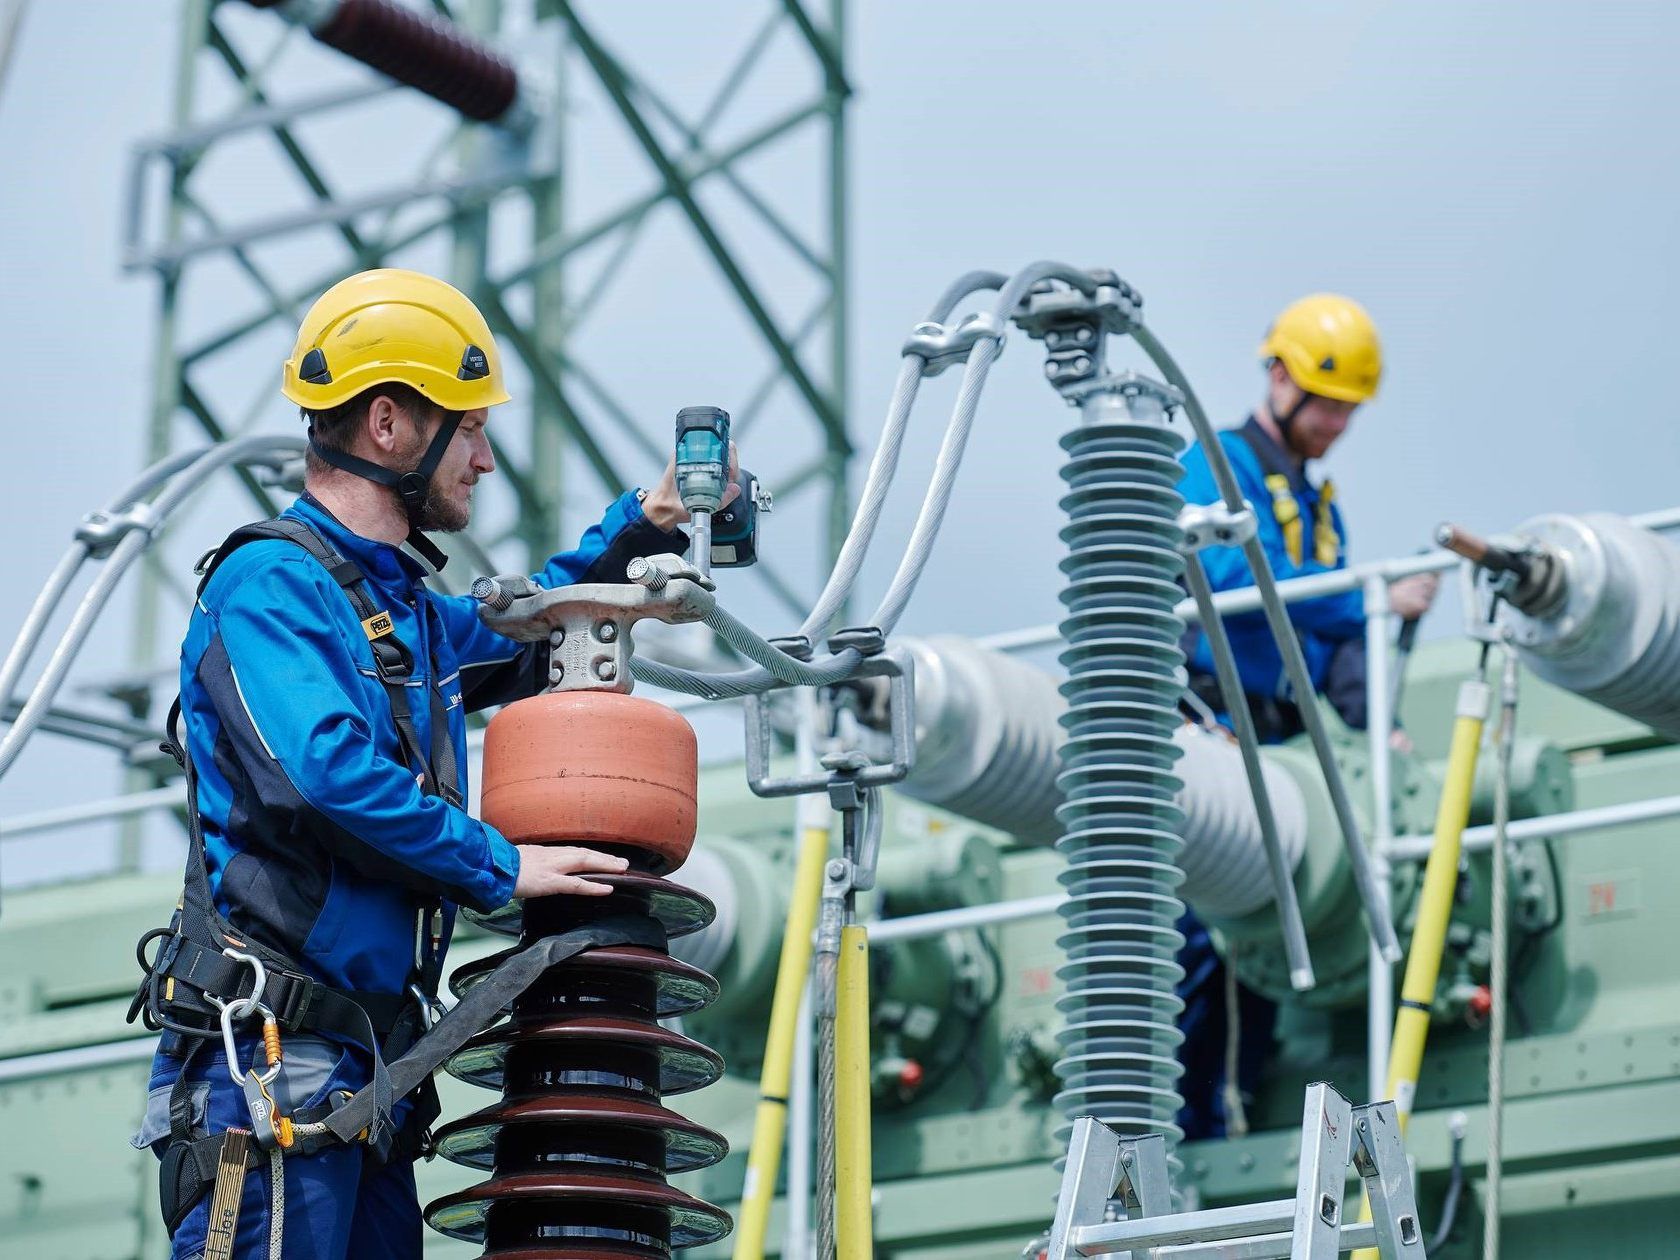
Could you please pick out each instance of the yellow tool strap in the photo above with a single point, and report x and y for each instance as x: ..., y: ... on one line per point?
x: 1327, y: 545
x: 223, y: 1224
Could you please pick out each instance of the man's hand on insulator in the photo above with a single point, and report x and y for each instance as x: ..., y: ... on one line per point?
x: 547, y: 869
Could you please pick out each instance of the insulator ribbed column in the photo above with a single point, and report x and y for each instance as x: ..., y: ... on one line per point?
x: 1121, y: 828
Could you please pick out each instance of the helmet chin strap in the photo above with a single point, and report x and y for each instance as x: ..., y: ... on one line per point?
x: 1287, y: 419
x: 409, y: 487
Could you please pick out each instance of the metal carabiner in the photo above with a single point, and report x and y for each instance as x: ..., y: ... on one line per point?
x: 235, y: 1009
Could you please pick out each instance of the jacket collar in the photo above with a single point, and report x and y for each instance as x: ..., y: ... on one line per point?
x: 381, y: 560
x: 1273, y: 458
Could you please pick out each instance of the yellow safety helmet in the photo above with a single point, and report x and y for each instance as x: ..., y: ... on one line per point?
x: 1329, y: 346
x: 390, y: 325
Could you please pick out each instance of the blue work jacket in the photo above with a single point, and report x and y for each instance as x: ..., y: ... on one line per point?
x: 1322, y: 624
x: 320, y: 842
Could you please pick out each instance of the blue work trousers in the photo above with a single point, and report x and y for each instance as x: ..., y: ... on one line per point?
x: 339, y: 1203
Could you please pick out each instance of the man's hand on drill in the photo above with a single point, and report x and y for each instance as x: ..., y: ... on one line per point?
x: 665, y: 509
x: 546, y: 869
x: 1410, y: 597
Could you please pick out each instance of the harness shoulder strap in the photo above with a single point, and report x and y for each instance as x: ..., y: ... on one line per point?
x: 1281, y: 479
x: 1327, y: 543
x: 440, y: 775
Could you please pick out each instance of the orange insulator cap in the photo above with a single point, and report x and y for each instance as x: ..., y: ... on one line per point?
x: 593, y: 767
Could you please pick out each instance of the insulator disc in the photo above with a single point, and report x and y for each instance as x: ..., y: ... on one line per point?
x: 613, y: 979
x: 679, y: 910
x: 574, y: 1202
x: 682, y: 1064
x: 570, y: 1128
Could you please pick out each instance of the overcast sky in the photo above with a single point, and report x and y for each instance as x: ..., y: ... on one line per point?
x: 1495, y: 182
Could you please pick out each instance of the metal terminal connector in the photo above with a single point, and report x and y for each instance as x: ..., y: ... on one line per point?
x: 587, y: 626
x: 940, y: 347
x: 1215, y: 525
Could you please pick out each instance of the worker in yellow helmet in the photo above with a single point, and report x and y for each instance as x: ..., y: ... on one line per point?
x: 1323, y: 360
x: 324, y: 694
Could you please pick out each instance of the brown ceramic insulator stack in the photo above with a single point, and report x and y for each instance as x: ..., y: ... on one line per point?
x: 581, y: 1142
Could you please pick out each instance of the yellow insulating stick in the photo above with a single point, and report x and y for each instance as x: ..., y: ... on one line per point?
x: 1435, y: 903
x: 764, y: 1159
x: 854, y: 1228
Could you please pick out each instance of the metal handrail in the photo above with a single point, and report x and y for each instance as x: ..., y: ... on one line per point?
x: 1293, y: 591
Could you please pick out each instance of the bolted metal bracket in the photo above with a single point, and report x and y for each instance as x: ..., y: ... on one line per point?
x: 1128, y: 397
x: 893, y: 664
x: 1073, y: 324
x: 588, y: 626
x: 1215, y: 525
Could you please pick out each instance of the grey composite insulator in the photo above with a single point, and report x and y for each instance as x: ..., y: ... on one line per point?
x: 1224, y: 858
x: 988, y: 746
x: 1614, y: 635
x: 1121, y: 824
x: 987, y: 738
x: 424, y: 52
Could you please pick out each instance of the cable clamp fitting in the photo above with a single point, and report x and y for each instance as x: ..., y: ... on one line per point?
x: 1215, y: 525
x: 102, y: 531
x: 940, y: 347
x: 867, y: 640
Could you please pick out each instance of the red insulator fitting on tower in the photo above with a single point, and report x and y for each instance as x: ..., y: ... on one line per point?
x: 426, y: 53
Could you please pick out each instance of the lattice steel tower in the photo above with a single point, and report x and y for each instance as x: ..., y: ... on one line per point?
x: 495, y: 142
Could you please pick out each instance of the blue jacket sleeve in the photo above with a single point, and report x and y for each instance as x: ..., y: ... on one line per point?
x: 498, y: 670
x: 1335, y: 617
x: 294, y: 684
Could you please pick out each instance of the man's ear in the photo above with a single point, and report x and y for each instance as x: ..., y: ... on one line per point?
x: 384, y: 424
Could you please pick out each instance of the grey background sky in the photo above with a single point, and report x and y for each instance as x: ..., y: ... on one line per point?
x: 1496, y: 182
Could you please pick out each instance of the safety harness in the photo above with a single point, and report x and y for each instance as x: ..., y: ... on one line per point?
x: 1326, y: 545
x: 1276, y: 717
x: 204, y: 979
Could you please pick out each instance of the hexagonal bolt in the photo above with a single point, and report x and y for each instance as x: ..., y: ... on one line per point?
x: 606, y: 631
x: 606, y: 671
x: 648, y: 574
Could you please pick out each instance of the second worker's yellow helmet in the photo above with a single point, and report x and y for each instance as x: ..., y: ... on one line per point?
x: 1328, y: 345
x: 389, y: 325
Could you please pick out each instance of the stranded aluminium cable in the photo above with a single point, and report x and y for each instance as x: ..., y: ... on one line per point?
x: 987, y: 344
x: 883, y: 468
x: 145, y: 518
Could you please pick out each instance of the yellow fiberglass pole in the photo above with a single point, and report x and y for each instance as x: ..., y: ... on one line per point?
x: 1435, y: 903
x: 853, y: 1217
x: 764, y: 1159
